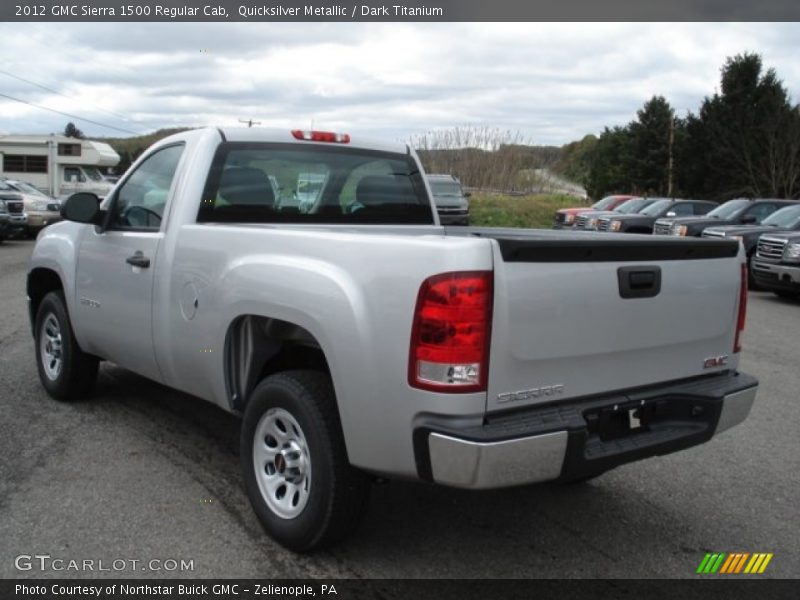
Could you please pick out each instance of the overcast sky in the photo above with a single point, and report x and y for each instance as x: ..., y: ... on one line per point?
x: 553, y: 83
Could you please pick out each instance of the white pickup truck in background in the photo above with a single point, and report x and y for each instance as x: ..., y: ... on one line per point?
x: 359, y: 338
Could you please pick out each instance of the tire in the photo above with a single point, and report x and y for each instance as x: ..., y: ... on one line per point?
x: 66, y: 371
x: 297, y: 475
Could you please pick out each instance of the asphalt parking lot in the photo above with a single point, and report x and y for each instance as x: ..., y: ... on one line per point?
x: 140, y: 472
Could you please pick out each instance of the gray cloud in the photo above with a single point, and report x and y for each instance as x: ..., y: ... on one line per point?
x: 551, y: 82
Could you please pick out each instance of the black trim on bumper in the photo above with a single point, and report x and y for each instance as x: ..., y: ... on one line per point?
x: 676, y: 415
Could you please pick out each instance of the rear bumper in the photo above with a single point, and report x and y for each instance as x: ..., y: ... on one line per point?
x: 570, y: 440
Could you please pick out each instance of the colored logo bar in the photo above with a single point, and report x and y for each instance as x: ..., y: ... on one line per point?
x: 734, y: 563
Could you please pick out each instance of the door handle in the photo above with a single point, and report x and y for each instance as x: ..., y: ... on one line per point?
x: 138, y: 260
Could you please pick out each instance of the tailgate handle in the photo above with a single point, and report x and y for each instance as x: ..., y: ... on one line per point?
x: 639, y: 282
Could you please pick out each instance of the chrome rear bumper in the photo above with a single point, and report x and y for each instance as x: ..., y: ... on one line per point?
x: 576, y: 450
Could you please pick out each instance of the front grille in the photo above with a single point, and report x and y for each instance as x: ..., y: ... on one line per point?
x: 770, y: 248
x: 602, y: 224
x: 712, y: 233
x: 581, y: 222
x: 559, y: 219
x: 14, y: 206
x: 662, y: 228
x: 452, y: 211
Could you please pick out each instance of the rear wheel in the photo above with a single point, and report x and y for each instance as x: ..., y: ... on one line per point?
x: 66, y: 371
x: 294, y: 461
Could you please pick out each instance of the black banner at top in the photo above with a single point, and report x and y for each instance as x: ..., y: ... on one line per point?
x: 398, y: 10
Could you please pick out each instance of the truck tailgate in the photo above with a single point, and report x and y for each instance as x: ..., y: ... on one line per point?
x: 579, y: 314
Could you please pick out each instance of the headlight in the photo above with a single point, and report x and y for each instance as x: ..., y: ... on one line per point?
x: 569, y: 219
x: 680, y: 230
x: 39, y: 205
x: 592, y: 224
x: 792, y: 252
x: 615, y: 225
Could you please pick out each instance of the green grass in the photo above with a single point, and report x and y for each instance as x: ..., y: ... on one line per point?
x: 517, y: 211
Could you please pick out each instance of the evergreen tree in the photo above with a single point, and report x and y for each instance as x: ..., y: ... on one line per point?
x: 72, y: 131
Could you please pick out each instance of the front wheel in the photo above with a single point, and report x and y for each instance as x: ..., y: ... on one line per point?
x: 66, y: 371
x: 294, y: 461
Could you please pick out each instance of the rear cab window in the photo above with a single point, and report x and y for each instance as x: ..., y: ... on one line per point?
x: 313, y: 183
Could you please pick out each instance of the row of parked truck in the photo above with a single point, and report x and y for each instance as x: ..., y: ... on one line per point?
x: 769, y: 229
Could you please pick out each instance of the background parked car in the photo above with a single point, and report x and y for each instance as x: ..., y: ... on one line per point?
x: 17, y: 220
x: 739, y: 211
x: 642, y: 222
x: 41, y: 209
x: 776, y: 265
x: 4, y: 219
x: 784, y: 220
x: 589, y: 220
x: 450, y: 199
x: 565, y: 217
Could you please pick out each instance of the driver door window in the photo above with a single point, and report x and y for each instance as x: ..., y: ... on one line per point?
x: 140, y: 201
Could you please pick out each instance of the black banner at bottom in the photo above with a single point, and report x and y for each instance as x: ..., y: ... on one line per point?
x: 379, y: 589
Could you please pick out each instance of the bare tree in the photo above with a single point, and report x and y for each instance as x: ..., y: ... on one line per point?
x: 481, y: 157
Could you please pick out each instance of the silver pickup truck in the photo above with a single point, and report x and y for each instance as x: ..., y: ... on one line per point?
x: 359, y: 339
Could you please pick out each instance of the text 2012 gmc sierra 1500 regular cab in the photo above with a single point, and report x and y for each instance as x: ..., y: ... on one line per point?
x: 359, y: 338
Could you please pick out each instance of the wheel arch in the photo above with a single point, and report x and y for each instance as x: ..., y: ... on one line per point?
x: 257, y: 346
x: 41, y: 281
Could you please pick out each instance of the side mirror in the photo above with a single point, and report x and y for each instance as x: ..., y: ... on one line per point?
x: 671, y: 213
x: 749, y: 219
x: 83, y: 208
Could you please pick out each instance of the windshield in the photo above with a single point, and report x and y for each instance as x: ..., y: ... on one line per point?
x: 605, y: 204
x: 786, y: 218
x: 633, y: 205
x: 729, y: 209
x: 93, y: 173
x: 27, y: 188
x: 445, y: 188
x: 655, y: 208
x: 317, y: 184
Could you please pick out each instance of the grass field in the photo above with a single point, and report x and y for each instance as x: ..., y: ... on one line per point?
x: 536, y: 212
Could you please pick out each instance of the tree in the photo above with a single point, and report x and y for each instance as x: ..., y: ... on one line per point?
x: 575, y: 162
x: 72, y: 131
x: 611, y: 160
x: 747, y: 136
x: 650, y: 147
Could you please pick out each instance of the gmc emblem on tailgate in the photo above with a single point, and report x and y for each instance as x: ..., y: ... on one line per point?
x: 715, y: 361
x: 545, y: 390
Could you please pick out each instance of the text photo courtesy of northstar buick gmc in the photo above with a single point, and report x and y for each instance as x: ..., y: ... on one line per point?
x: 360, y: 339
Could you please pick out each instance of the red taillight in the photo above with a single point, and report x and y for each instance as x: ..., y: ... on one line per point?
x: 321, y: 136
x: 737, y: 344
x: 451, y: 332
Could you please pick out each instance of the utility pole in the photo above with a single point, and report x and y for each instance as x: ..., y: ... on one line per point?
x: 250, y: 122
x: 669, y: 163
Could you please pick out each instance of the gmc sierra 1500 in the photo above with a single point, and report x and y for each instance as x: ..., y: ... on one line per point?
x: 359, y: 338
